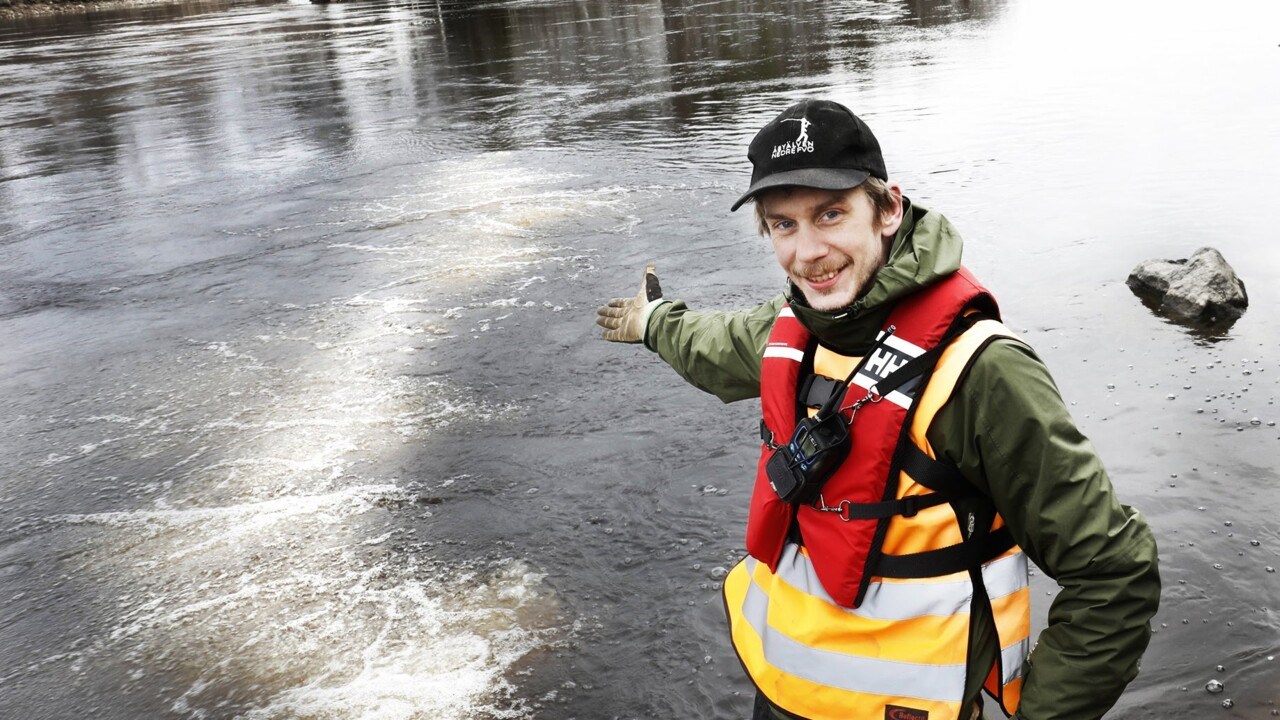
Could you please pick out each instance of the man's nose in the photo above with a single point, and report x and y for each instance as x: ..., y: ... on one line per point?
x: 810, y: 245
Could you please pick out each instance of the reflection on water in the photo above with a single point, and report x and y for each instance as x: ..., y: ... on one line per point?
x: 306, y: 413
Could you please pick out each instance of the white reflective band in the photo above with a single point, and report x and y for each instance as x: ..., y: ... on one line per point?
x: 786, y: 312
x: 784, y: 352
x: 905, y: 600
x: 1011, y: 659
x: 1005, y: 576
x: 871, y: 373
x: 903, y: 346
x: 941, y: 683
x: 866, y: 381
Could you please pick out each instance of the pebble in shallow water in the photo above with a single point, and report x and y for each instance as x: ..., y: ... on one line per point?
x: 1214, y: 687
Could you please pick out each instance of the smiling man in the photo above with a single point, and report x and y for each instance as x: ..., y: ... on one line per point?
x: 914, y: 455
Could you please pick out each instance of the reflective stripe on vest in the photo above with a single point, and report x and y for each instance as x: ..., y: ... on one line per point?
x: 906, y: 644
x: 834, y: 675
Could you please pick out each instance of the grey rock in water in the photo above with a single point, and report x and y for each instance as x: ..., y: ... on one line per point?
x: 1200, y: 289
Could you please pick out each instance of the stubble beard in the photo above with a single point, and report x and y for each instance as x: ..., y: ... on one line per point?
x: 861, y: 269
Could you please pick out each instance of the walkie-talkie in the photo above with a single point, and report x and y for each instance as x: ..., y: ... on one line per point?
x: 798, y: 469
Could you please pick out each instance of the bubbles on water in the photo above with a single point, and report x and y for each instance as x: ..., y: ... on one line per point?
x: 1255, y: 543
x: 1228, y: 703
x: 1214, y: 686
x: 1270, y: 569
x: 324, y: 622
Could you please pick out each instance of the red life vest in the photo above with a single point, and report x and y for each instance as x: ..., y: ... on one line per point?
x: 872, y: 617
x: 845, y: 551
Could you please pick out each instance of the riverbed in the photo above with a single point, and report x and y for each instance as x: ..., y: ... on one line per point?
x: 307, y: 416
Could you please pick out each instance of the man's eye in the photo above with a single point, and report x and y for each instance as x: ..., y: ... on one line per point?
x: 784, y: 225
x: 831, y: 215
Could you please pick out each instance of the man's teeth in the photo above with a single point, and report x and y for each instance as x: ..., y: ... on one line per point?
x: 823, y: 278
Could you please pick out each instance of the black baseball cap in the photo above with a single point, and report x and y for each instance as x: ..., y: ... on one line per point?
x: 814, y: 143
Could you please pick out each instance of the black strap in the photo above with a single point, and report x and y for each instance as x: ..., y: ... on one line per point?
x: 947, y: 560
x: 926, y: 360
x: 906, y: 507
x: 943, y: 478
x: 937, y: 475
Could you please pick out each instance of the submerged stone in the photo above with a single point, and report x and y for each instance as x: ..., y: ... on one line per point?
x: 1200, y: 290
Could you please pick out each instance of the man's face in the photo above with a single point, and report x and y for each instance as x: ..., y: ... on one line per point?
x: 829, y: 242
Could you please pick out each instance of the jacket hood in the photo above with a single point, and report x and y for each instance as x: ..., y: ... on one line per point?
x: 926, y: 249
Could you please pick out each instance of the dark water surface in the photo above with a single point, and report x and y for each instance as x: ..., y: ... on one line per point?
x: 305, y: 417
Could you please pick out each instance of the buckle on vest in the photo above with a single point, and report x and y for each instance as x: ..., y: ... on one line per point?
x: 910, y: 505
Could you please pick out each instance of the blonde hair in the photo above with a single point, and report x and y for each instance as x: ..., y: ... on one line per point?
x: 877, y: 191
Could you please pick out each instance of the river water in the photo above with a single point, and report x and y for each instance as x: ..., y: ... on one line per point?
x: 304, y: 411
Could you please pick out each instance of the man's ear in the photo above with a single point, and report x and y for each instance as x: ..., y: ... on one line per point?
x: 892, y: 220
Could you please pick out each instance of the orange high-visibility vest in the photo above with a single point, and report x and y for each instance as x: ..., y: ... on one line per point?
x: 869, y: 615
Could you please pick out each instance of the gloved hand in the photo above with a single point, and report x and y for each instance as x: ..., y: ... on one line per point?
x: 623, y: 319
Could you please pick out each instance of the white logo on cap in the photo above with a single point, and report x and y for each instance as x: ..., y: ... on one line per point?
x: 802, y: 143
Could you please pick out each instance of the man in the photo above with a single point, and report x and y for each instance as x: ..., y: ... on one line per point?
x: 914, y: 454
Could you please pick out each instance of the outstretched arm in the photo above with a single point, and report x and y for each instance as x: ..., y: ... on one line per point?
x: 718, y: 352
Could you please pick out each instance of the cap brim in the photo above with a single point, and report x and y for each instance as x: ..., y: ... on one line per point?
x: 822, y: 178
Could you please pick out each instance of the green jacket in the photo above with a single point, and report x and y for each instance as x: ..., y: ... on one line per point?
x: 1009, y: 432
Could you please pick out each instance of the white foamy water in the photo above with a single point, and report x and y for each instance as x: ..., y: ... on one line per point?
x: 286, y: 596
x: 278, y: 565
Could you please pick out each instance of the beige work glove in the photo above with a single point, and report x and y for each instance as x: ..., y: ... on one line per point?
x: 624, y: 319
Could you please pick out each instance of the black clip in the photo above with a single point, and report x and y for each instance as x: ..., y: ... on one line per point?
x: 766, y: 435
x: 910, y: 505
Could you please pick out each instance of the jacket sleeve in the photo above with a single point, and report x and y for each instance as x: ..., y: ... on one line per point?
x: 1009, y: 432
x: 717, y: 352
